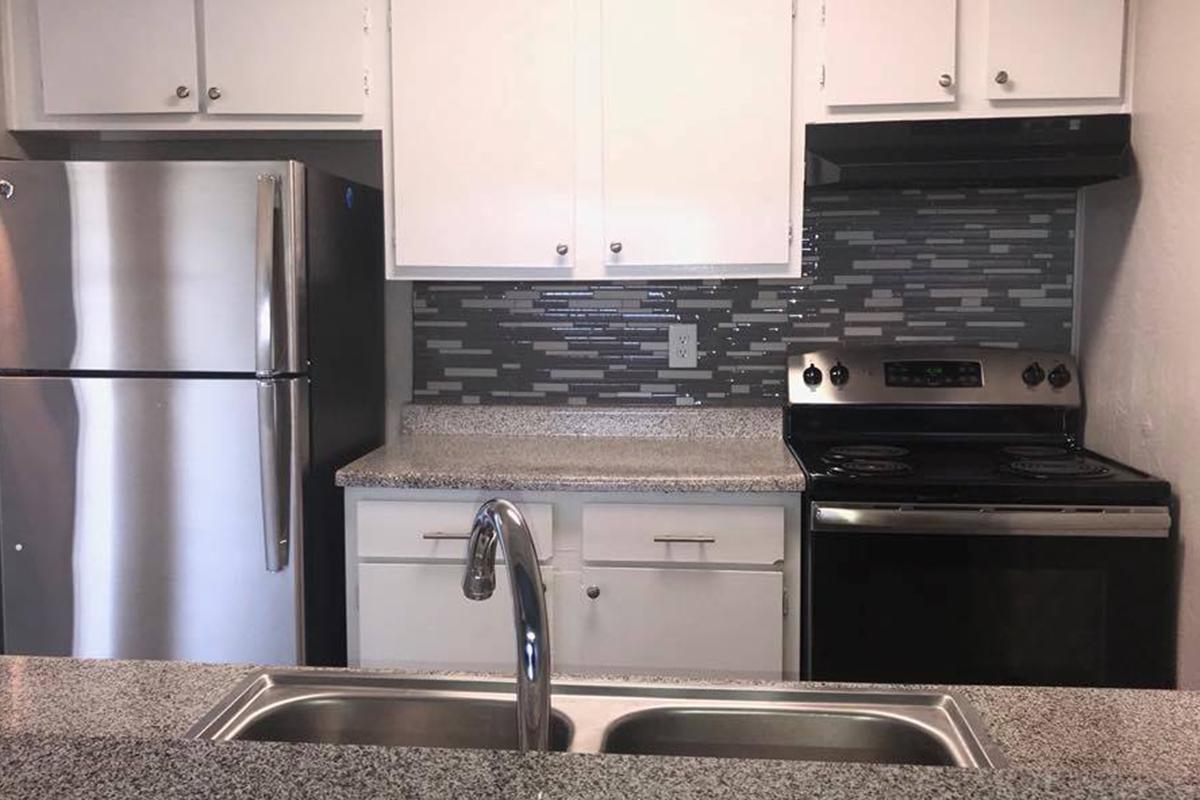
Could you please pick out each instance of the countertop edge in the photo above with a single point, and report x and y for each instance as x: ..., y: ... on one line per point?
x: 576, y: 464
x: 591, y: 483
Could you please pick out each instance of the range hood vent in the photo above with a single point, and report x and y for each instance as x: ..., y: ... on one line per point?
x: 1009, y: 151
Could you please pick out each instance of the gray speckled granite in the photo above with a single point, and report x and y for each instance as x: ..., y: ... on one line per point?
x: 577, y: 463
x: 122, y: 769
x: 724, y: 423
x: 1093, y: 730
x: 108, y: 698
x: 519, y: 448
x: 113, y: 730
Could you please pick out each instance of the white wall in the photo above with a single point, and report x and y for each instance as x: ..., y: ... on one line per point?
x: 8, y: 145
x: 1140, y: 335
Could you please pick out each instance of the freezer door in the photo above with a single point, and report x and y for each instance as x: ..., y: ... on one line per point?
x: 132, y: 518
x: 152, y: 266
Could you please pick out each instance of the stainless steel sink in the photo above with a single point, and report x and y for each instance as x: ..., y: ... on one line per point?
x: 785, y: 735
x: 327, y: 709
x: 806, y: 725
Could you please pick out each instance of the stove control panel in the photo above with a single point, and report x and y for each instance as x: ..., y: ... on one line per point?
x: 933, y: 376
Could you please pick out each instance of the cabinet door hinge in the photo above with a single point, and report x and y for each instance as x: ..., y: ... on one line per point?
x: 785, y: 602
x: 790, y: 239
x: 822, y: 12
x: 822, y: 76
x: 795, y: 3
x: 367, y: 82
x: 366, y: 17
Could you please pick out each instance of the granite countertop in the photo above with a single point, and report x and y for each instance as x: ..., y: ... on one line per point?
x: 72, y: 728
x: 538, y: 449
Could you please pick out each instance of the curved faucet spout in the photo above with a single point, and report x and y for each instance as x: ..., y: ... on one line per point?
x: 499, y: 522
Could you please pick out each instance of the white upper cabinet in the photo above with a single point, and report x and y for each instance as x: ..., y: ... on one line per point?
x: 195, y: 65
x: 890, y: 53
x: 696, y: 131
x: 483, y: 116
x: 283, y: 56
x: 877, y: 60
x: 1056, y: 49
x: 118, y: 56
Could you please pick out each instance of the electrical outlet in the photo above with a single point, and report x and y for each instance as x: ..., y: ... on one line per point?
x: 682, y: 346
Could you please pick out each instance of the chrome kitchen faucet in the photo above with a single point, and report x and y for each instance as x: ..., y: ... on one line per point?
x: 500, y: 521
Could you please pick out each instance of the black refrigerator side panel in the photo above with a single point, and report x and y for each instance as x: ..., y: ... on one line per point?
x: 346, y: 352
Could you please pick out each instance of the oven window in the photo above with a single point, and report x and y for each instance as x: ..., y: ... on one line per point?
x: 994, y: 610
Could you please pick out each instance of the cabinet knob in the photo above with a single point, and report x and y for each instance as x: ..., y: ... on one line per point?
x: 182, y: 92
x: 1001, y: 77
x: 6, y: 189
x: 593, y: 592
x: 616, y: 247
x: 214, y: 93
x: 946, y: 80
x: 562, y: 249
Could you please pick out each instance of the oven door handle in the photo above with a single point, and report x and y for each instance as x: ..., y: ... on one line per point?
x: 1125, y: 522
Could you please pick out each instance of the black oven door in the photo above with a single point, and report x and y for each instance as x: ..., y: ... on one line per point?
x: 998, y: 595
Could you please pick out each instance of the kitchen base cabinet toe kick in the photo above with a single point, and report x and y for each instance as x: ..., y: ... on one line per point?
x: 636, y: 584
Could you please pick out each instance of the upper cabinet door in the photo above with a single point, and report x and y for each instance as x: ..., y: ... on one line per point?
x: 118, y: 56
x: 890, y: 53
x: 483, y: 96
x: 284, y: 57
x: 1056, y: 49
x: 697, y: 131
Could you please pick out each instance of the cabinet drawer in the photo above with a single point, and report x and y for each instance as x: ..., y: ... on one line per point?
x: 435, y: 531
x: 712, y: 622
x: 415, y: 616
x: 684, y: 535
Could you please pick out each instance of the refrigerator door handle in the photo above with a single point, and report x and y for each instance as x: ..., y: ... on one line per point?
x: 269, y: 312
x: 278, y: 410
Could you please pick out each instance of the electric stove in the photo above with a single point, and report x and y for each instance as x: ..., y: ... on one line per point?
x: 958, y: 530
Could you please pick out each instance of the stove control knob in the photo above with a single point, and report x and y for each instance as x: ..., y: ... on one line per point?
x: 812, y: 376
x: 1033, y: 375
x: 1059, y: 377
x: 839, y: 374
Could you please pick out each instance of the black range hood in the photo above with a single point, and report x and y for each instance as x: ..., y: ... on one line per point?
x: 1009, y: 151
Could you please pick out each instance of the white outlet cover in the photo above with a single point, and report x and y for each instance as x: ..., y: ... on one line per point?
x: 681, y: 346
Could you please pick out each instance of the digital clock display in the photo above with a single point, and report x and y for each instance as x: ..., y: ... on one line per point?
x: 933, y: 374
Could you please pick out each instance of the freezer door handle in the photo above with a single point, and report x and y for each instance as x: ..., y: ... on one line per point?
x: 278, y: 411
x: 273, y: 312
x: 267, y: 311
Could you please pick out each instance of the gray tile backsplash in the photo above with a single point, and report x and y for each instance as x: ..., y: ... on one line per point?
x: 990, y: 267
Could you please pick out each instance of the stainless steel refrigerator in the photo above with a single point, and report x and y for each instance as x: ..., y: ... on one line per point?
x: 188, y: 351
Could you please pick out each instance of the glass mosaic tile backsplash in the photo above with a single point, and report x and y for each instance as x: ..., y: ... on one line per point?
x: 990, y: 267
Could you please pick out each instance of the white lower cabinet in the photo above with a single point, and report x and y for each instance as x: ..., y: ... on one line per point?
x: 415, y: 616
x: 695, y: 586
x: 653, y: 621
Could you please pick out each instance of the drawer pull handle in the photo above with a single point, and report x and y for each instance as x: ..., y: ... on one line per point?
x: 438, y: 536
x: 686, y: 539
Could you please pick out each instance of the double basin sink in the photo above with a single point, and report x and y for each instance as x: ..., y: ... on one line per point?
x: 865, y: 726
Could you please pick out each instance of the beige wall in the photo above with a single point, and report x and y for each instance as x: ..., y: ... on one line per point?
x: 1140, y: 337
